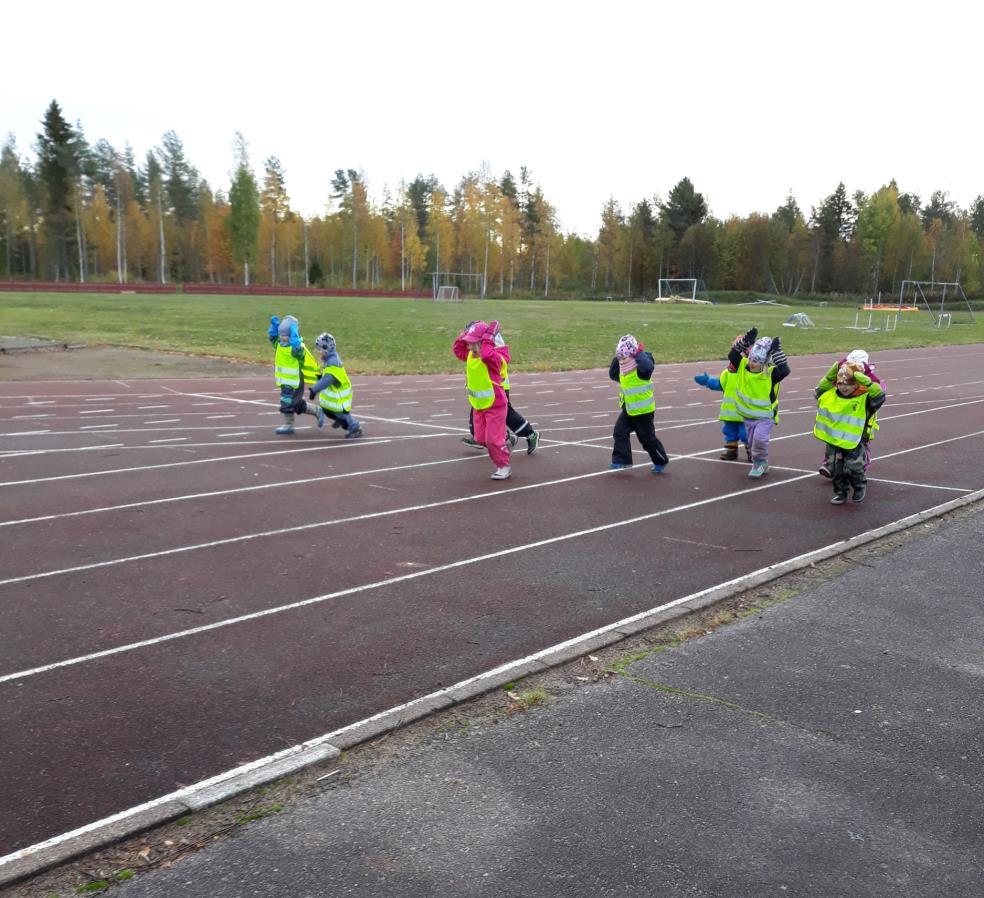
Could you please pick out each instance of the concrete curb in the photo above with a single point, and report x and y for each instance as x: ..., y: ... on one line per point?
x: 35, y: 859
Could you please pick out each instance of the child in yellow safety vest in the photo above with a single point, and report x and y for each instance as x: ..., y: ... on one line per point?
x: 484, y: 374
x: 632, y: 369
x: 756, y: 395
x: 733, y: 424
x: 844, y: 414
x: 333, y: 389
x: 857, y: 358
x: 294, y: 367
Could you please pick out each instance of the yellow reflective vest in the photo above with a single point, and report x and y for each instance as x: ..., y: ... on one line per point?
x: 478, y: 381
x: 841, y: 421
x: 288, y: 368
x: 636, y: 395
x: 755, y: 394
x: 729, y: 384
x: 337, y: 398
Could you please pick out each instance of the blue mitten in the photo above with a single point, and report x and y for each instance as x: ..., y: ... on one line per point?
x: 295, y: 337
x: 274, y: 328
x: 701, y: 379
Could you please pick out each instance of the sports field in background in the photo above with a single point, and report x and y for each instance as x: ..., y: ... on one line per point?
x: 402, y: 336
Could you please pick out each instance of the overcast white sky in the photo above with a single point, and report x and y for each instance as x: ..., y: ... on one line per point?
x: 604, y: 99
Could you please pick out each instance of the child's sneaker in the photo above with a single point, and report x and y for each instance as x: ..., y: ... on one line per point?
x: 287, y: 427
x: 512, y: 440
x: 321, y: 416
x: 532, y: 443
x: 657, y: 469
x: 838, y: 499
x: 502, y: 473
x: 471, y: 441
x: 824, y: 470
x: 858, y: 495
x: 758, y: 469
x: 354, y: 431
x: 618, y: 466
x: 730, y: 453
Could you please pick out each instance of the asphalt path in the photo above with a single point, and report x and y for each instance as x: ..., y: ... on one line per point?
x: 183, y: 592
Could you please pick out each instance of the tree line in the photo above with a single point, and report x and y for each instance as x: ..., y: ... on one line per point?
x: 90, y: 212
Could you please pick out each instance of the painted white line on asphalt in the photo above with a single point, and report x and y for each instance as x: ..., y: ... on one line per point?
x: 481, y: 682
x: 249, y: 489
x: 170, y: 440
x: 143, y: 408
x: 365, y: 587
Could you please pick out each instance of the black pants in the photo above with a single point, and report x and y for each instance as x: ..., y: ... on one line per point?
x: 292, y: 401
x: 847, y: 468
x: 644, y: 428
x: 514, y: 421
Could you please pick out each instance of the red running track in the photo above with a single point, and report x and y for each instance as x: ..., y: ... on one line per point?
x: 182, y: 592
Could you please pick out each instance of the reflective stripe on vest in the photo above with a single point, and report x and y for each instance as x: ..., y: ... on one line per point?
x: 337, y: 399
x: 753, y: 393
x: 505, y: 377
x: 286, y: 368
x: 840, y: 421
x: 636, y: 394
x: 478, y: 381
x: 729, y: 408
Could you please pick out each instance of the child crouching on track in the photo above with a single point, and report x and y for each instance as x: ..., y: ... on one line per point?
x: 484, y: 374
x: 844, y: 416
x: 632, y: 368
x: 757, y: 391
x: 855, y: 357
x: 294, y: 366
x: 333, y: 389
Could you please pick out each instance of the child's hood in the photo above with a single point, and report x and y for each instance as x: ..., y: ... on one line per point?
x: 332, y: 359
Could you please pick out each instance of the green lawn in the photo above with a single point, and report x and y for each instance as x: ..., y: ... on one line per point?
x: 397, y: 336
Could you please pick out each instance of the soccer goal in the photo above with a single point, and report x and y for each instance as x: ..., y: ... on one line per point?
x: 682, y: 290
x: 945, y: 301
x: 447, y: 294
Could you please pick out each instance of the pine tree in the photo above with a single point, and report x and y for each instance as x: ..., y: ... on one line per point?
x: 243, y: 223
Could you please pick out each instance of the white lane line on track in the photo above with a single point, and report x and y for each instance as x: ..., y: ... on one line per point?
x: 410, y: 710
x: 197, y: 461
x: 171, y: 440
x: 390, y: 581
x: 772, y: 467
x: 144, y: 408
x: 282, y: 484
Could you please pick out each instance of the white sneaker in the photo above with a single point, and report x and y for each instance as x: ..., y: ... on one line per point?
x: 502, y: 473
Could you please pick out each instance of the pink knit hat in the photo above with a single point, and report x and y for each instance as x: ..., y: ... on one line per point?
x: 627, y: 347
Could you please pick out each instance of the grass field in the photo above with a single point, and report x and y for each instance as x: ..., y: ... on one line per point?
x: 397, y: 336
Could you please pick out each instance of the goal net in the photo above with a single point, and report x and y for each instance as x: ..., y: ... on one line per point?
x: 447, y: 294
x: 682, y: 290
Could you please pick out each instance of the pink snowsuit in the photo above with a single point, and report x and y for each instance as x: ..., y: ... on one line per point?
x: 490, y: 423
